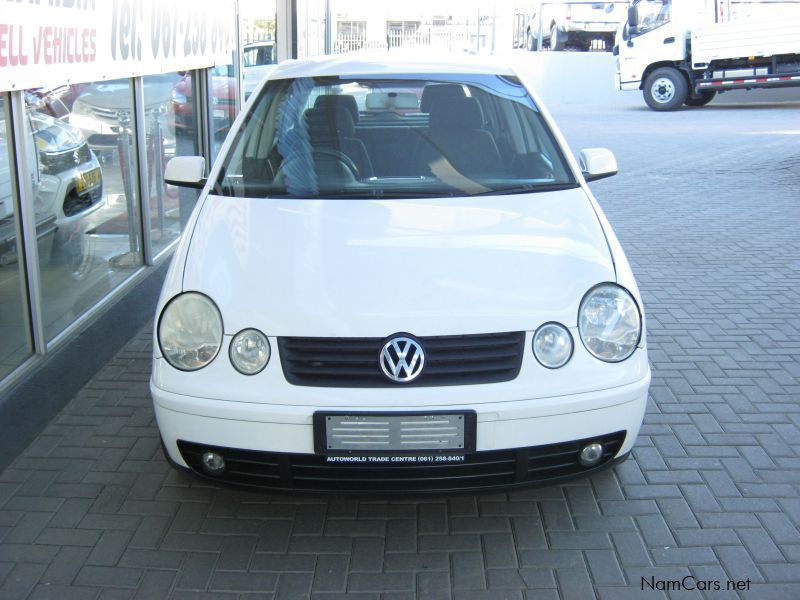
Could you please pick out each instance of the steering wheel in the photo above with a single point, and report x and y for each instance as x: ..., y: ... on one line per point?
x: 328, y: 154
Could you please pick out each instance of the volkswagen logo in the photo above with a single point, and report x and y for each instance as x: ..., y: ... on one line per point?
x: 402, y: 359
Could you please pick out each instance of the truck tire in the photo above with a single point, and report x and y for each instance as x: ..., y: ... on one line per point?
x: 701, y: 100
x: 533, y: 44
x: 665, y: 89
x: 557, y: 39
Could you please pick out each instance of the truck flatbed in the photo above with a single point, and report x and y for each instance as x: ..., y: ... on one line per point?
x: 744, y: 39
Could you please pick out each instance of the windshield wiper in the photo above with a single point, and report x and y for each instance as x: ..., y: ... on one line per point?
x: 379, y: 194
x: 532, y: 188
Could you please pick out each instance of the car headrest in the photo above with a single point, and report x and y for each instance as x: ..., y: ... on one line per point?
x: 456, y: 113
x: 327, y: 123
x: 391, y: 100
x: 338, y: 101
x: 439, y: 91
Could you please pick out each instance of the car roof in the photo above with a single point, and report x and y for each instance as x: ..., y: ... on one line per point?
x: 390, y: 63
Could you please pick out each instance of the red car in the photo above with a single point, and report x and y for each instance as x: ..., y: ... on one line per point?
x: 223, y: 95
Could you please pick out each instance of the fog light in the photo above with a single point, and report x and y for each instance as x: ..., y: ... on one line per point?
x: 591, y: 455
x: 213, y: 463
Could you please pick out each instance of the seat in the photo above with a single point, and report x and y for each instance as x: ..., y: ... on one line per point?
x: 333, y: 101
x: 331, y: 126
x: 439, y: 91
x: 455, y: 133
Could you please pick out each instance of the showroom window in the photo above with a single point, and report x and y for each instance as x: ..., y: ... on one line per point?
x: 88, y: 184
x: 171, y: 110
x: 15, y: 344
x: 224, y: 106
x: 91, y: 138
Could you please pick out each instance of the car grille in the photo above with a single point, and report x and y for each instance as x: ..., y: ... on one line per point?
x: 58, y: 162
x: 449, y: 360
x: 481, y: 470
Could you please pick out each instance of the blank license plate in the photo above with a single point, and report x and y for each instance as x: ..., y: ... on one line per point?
x: 394, y: 433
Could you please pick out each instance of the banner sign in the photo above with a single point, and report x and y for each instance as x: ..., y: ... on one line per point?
x: 52, y: 42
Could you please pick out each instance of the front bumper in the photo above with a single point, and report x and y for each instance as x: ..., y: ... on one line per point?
x: 506, y: 431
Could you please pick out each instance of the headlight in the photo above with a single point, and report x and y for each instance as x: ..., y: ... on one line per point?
x: 249, y: 351
x: 190, y: 331
x: 609, y: 322
x: 552, y: 345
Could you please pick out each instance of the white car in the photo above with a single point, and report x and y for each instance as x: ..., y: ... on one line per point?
x: 427, y: 298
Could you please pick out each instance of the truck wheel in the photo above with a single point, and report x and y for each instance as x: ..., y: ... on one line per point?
x: 557, y: 39
x: 533, y: 45
x: 665, y: 89
x: 703, y: 99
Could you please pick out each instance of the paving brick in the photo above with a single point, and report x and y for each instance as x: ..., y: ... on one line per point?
x: 62, y: 592
x: 21, y: 580
x: 243, y: 582
x: 195, y: 571
x: 28, y: 528
x: 432, y: 586
x: 367, y: 554
x: 283, y: 563
x: 380, y: 582
x: 554, y: 559
x: 294, y: 586
x: 331, y: 573
x: 109, y: 576
x: 468, y: 571
x: 574, y: 584
x: 155, y: 584
x: 235, y: 553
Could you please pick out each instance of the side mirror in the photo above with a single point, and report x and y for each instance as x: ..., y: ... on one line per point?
x: 633, y: 17
x: 597, y: 163
x: 186, y: 171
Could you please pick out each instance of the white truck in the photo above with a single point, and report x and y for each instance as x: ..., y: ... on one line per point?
x: 683, y: 52
x: 574, y: 22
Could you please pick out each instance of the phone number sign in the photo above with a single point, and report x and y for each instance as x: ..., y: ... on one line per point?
x: 46, y: 43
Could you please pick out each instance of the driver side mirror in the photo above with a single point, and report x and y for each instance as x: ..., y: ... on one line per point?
x: 597, y: 163
x: 633, y: 17
x: 186, y: 171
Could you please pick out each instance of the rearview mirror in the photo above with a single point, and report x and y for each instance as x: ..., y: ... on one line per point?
x: 597, y: 163
x: 186, y: 171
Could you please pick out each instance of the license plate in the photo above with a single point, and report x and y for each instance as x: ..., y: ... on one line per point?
x: 88, y: 180
x: 219, y: 113
x: 398, y: 434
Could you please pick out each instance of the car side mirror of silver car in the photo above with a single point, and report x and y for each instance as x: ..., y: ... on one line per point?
x: 597, y: 163
x: 186, y: 171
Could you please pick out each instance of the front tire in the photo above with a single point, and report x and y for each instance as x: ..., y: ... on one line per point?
x: 533, y: 45
x: 557, y: 39
x: 703, y: 99
x: 665, y: 89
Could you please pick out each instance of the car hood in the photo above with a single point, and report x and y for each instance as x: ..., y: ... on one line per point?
x: 339, y: 268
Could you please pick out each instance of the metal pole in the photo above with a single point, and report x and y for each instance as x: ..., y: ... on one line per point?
x: 137, y: 129
x: 328, y: 27
x: 539, y: 27
x: 478, y: 33
x: 21, y: 149
x: 494, y: 25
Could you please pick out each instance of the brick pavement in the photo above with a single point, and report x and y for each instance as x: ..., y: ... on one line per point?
x: 707, y: 206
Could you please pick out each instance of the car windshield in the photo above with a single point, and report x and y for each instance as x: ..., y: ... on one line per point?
x: 400, y: 137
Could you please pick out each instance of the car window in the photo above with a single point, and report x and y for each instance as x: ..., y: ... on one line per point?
x: 400, y: 137
x: 259, y: 55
